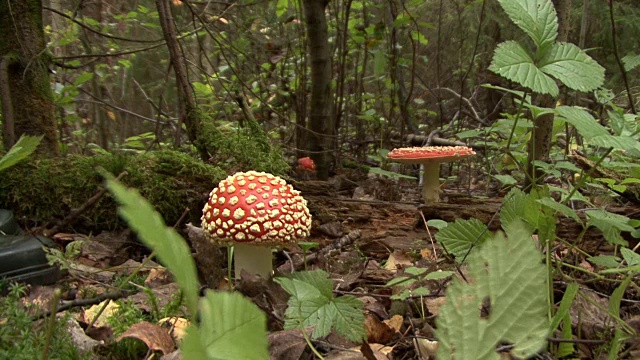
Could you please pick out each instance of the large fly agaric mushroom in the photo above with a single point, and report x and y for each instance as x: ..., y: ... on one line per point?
x: 255, y: 211
x: 430, y: 157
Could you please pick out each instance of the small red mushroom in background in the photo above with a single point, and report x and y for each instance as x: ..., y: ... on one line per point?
x: 306, y: 164
x: 254, y: 211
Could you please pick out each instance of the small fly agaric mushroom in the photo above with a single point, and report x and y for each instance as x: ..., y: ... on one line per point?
x: 306, y: 164
x: 430, y: 157
x: 254, y: 211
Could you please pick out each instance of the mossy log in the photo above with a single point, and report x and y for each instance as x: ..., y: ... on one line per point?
x: 42, y: 192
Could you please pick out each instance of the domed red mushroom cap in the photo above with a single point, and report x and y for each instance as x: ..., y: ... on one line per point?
x: 255, y: 207
x: 419, y: 155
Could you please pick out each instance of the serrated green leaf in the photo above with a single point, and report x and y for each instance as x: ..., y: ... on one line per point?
x: 404, y: 280
x: 513, y: 62
x: 421, y: 291
x: 609, y: 224
x: 171, y: 248
x: 505, y: 179
x: 24, y: 147
x: 228, y: 322
x: 572, y: 66
x: 510, y: 274
x: 537, y: 18
x: 631, y: 61
x: 561, y: 208
x: 438, y: 275
x: 606, y: 261
x: 630, y: 257
x: 312, y: 304
x: 458, y: 237
x: 416, y: 271
x: 582, y: 120
x: 437, y: 223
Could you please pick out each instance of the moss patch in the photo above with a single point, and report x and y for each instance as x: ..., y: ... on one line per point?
x: 43, y: 191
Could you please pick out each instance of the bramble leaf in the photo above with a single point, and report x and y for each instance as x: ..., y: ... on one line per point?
x: 312, y: 304
x: 509, y: 274
x: 537, y: 18
x: 459, y: 236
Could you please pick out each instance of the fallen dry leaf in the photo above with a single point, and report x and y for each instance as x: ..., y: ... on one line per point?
x: 377, y: 331
x: 287, y: 344
x: 177, y: 326
x: 91, y: 312
x: 434, y: 304
x: 395, y: 322
x: 397, y: 260
x: 158, y: 277
x: 425, y: 348
x: 380, y: 351
x: 155, y: 337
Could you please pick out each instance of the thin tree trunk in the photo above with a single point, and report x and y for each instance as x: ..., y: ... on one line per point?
x: 321, y: 138
x: 188, y: 113
x: 22, y: 51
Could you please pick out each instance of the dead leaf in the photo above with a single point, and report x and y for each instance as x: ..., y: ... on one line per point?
x: 82, y: 341
x: 589, y: 319
x: 377, y: 331
x: 425, y: 348
x: 434, y: 304
x: 287, y: 344
x: 158, y: 277
x: 380, y: 351
x: 163, y: 295
x: 395, y: 322
x: 428, y: 254
x: 397, y: 260
x: 108, y: 311
x: 155, y: 337
x: 177, y: 326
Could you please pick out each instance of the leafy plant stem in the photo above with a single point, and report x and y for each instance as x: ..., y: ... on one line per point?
x: 583, y: 176
x: 306, y: 337
x: 577, y: 268
x: 620, y: 65
x: 52, y: 323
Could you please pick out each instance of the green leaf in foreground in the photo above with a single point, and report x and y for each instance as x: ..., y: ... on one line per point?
x: 537, y: 18
x: 231, y: 327
x: 458, y: 237
x: 170, y: 247
x: 312, y: 304
x: 510, y: 274
x: 20, y: 150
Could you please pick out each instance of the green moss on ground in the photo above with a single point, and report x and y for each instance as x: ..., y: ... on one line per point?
x: 43, y: 191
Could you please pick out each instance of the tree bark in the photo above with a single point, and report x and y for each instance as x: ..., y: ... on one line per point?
x: 321, y: 138
x: 26, y: 68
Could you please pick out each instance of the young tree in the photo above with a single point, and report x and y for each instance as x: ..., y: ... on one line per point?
x: 27, y: 104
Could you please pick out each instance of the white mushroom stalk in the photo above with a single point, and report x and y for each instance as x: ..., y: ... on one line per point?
x: 431, y: 157
x: 254, y: 211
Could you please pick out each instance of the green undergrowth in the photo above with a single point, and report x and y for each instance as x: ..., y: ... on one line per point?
x: 46, y: 190
x: 23, y: 339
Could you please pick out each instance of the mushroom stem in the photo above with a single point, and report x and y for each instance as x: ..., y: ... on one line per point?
x: 254, y: 259
x: 431, y: 182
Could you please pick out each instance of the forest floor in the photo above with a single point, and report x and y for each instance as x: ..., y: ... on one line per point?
x: 363, y: 243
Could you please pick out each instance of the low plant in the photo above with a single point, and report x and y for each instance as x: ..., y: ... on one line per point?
x: 23, y: 339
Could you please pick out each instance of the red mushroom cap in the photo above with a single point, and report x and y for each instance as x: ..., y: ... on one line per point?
x: 420, y: 155
x: 306, y: 164
x: 255, y: 207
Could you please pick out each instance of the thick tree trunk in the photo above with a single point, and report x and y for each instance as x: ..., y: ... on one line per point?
x: 321, y: 138
x: 29, y: 108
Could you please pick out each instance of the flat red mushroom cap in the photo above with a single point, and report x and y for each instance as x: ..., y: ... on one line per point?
x: 255, y: 207
x: 420, y: 155
x: 306, y: 164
